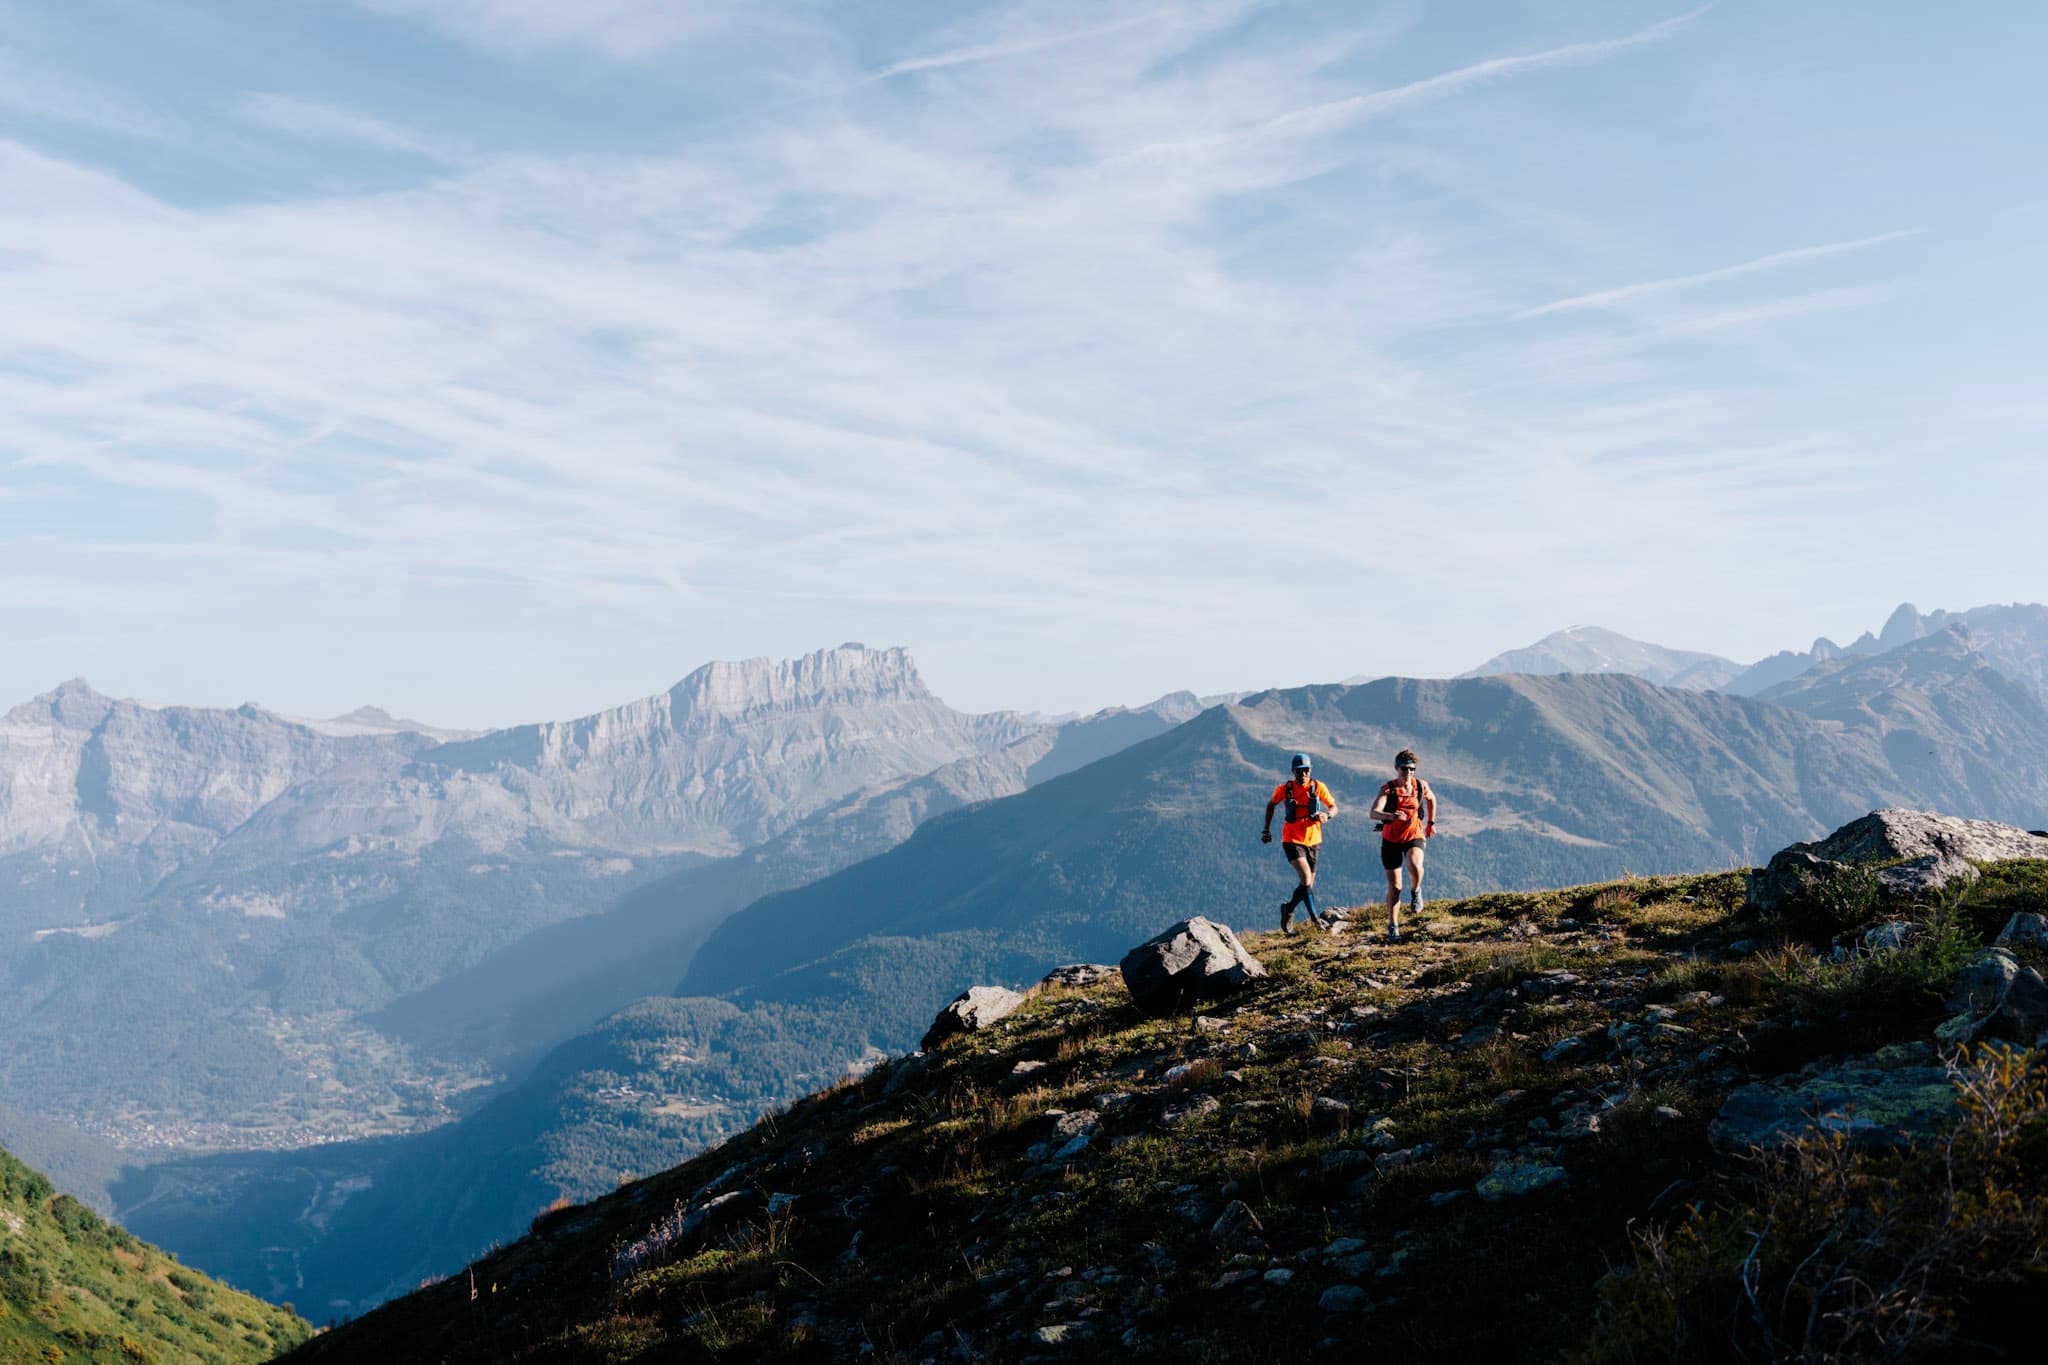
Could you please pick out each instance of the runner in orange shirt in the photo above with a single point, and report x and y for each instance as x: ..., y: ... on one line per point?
x: 1405, y: 811
x: 1308, y: 803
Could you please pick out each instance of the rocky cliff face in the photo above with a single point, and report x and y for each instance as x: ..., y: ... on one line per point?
x: 731, y: 755
x: 83, y: 770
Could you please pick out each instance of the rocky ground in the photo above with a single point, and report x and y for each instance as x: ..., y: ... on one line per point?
x: 1645, y: 1120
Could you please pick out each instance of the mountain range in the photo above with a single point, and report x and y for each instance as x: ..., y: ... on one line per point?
x: 1544, y: 780
x: 433, y: 942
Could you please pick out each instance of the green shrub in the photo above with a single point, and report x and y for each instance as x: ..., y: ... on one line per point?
x: 1830, y: 1251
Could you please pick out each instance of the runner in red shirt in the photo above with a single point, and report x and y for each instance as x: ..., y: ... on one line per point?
x: 1405, y: 811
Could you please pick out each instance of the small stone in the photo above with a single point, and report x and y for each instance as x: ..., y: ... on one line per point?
x: 1025, y: 1068
x: 1667, y: 1113
x: 1343, y: 1298
x: 1563, y: 1048
x: 1279, y: 1275
x: 1344, y: 1246
x: 1074, y: 1122
x: 1248, y: 1053
x: 1328, y: 1109
x: 1513, y: 1179
x: 1356, y: 1266
x: 1207, y: 1024
x: 1063, y: 1333
x: 1890, y: 936
x: 1237, y: 1229
x: 1073, y: 1147
x: 1443, y: 1197
x: 1230, y: 1279
x: 1200, y: 1106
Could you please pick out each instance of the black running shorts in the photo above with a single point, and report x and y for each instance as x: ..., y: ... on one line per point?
x: 1307, y: 851
x: 1392, y: 849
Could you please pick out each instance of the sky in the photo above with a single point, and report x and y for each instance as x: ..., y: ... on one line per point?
x: 503, y: 360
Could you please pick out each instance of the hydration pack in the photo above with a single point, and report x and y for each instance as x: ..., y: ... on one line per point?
x: 1299, y: 810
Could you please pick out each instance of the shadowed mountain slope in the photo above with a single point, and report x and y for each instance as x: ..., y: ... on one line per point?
x: 1528, y: 1133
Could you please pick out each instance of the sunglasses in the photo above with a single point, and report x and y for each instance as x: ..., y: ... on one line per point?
x: 1406, y: 767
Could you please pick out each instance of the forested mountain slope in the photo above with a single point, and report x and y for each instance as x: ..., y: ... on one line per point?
x: 75, y: 1288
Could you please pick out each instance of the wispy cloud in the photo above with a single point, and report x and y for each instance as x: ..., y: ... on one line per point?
x: 320, y: 121
x: 31, y: 84
x: 1607, y: 298
x: 1020, y: 47
x: 901, y: 359
x: 1378, y: 103
x: 622, y: 30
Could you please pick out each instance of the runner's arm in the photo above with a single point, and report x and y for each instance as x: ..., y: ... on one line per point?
x: 1329, y: 801
x: 1270, y: 805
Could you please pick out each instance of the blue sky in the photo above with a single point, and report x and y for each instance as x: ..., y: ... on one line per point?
x: 495, y: 360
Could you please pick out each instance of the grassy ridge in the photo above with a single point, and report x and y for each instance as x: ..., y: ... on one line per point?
x: 1494, y: 1136
x: 75, y: 1288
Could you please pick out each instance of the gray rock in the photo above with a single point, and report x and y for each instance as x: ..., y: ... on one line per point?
x: 972, y: 1010
x: 1357, y: 1265
x: 1195, y: 1107
x: 1328, y: 1110
x: 1075, y: 1122
x: 1872, y: 1105
x: 1345, y: 1246
x: 1063, y: 1333
x: 1346, y: 1161
x: 1563, y: 1048
x: 1933, y: 850
x: 1078, y: 974
x: 1193, y: 962
x: 1513, y: 1179
x: 1238, y: 1230
x: 2024, y: 931
x: 1982, y: 982
x: 1343, y: 1298
x: 1279, y: 1275
x: 1924, y: 877
x: 1890, y: 936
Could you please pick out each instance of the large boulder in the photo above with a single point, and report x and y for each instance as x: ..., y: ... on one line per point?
x: 1194, y: 962
x: 1922, y: 853
x: 972, y: 1010
x: 1871, y: 1104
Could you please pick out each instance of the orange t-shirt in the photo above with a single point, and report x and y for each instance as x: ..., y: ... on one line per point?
x: 1410, y: 818
x: 1303, y: 831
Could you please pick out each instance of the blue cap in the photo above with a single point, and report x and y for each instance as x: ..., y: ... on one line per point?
x: 1300, y: 762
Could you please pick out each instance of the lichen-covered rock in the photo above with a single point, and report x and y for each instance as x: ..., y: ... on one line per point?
x: 1926, y: 852
x: 972, y: 1010
x: 1512, y: 1179
x: 1873, y: 1105
x: 1195, y: 961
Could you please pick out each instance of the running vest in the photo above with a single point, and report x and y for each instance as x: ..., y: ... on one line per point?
x: 1404, y: 811
x: 1298, y: 810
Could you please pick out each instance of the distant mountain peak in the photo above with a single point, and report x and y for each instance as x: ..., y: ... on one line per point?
x: 1595, y: 649
x: 849, y: 673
